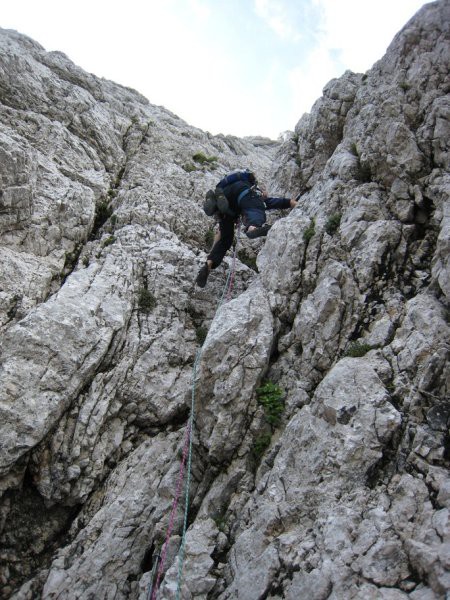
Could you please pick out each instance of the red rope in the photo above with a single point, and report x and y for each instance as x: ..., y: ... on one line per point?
x: 173, y: 512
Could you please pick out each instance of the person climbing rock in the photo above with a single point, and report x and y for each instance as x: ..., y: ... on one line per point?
x: 237, y: 195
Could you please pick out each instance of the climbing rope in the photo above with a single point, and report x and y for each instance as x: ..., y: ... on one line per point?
x: 187, y: 454
x: 188, y: 480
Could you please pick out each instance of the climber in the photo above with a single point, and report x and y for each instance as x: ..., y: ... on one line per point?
x: 237, y: 195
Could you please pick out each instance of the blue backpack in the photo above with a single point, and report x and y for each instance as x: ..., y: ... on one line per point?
x: 216, y: 201
x: 234, y: 176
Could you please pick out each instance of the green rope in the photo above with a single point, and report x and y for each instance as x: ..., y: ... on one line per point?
x: 227, y: 287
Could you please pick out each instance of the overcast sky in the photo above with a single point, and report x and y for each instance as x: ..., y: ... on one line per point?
x: 242, y: 67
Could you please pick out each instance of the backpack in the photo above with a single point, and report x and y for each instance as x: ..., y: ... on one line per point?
x: 234, y: 176
x: 216, y: 202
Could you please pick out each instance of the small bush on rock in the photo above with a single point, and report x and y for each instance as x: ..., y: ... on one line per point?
x: 310, y: 231
x: 146, y: 300
x: 270, y: 396
x: 358, y: 349
x: 333, y: 223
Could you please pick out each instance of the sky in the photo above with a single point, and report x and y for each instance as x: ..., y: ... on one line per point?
x: 238, y: 67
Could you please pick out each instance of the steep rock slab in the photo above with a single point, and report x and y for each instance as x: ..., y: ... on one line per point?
x: 322, y: 463
x: 234, y: 357
x: 50, y: 355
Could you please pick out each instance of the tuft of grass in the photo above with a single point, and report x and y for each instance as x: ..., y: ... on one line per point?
x: 201, y: 158
x: 146, y: 300
x: 270, y: 396
x: 358, y: 349
x: 109, y: 240
x: 309, y: 231
x: 333, y: 223
x: 189, y: 167
x: 209, y: 238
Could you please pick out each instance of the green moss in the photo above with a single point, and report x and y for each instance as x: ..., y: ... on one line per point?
x: 333, y: 223
x: 189, y: 167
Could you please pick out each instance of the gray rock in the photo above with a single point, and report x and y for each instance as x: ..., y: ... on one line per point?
x: 336, y: 484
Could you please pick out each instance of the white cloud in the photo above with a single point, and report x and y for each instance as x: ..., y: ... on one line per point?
x: 175, y: 52
x: 307, y: 80
x: 361, y: 31
x: 200, y: 8
x: 350, y: 34
x: 276, y: 15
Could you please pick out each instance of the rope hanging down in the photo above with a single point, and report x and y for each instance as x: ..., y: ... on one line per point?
x: 187, y: 456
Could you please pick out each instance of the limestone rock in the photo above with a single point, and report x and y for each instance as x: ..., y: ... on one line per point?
x: 319, y: 456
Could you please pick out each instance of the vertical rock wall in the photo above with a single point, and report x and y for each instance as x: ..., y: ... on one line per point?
x: 342, y: 491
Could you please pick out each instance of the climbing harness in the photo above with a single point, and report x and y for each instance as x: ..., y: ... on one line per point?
x: 187, y: 457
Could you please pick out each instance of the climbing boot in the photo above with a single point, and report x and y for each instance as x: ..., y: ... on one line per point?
x: 202, y: 276
x: 258, y: 232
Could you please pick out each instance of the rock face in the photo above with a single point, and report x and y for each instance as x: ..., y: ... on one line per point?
x: 320, y: 450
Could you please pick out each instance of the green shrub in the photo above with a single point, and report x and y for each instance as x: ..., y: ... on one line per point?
x: 189, y: 167
x: 270, y: 396
x: 102, y: 213
x: 333, y: 223
x: 260, y: 445
x: 221, y: 523
x: 357, y: 349
x: 146, y: 300
x: 200, y: 334
x: 309, y: 231
x: 248, y: 260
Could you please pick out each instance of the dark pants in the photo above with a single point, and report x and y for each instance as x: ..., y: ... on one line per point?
x: 253, y: 208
